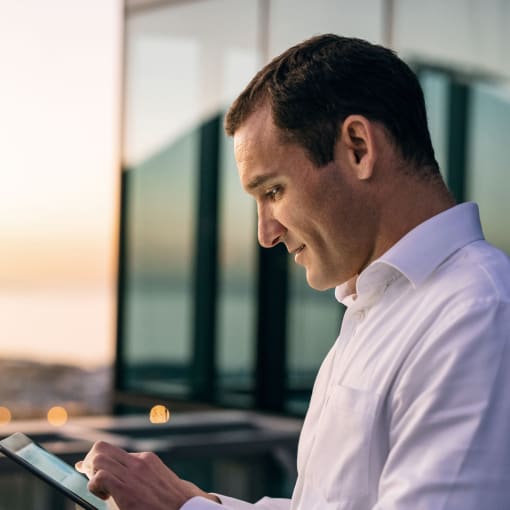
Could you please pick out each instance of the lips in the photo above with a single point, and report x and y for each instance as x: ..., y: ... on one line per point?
x: 297, y: 250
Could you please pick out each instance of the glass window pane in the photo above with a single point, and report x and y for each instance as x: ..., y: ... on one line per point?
x: 237, y: 290
x: 313, y: 324
x: 292, y: 22
x: 158, y: 286
x: 435, y: 90
x: 184, y: 63
x: 489, y: 153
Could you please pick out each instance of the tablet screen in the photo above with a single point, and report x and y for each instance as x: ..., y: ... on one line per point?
x: 51, y: 469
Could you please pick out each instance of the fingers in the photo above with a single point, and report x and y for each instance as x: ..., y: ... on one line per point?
x: 105, y: 466
x: 135, y: 480
x: 104, y: 484
x: 103, y: 456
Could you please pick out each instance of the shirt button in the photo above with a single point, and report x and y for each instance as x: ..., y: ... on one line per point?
x: 360, y: 315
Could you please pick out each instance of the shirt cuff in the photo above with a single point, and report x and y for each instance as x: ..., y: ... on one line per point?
x: 199, y: 503
x: 227, y: 503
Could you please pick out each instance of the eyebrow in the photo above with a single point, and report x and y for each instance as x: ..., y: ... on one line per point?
x: 258, y: 181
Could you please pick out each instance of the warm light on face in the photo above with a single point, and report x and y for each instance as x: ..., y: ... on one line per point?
x: 5, y: 416
x: 159, y: 414
x: 57, y: 416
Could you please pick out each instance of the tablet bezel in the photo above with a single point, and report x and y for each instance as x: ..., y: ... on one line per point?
x: 12, y: 454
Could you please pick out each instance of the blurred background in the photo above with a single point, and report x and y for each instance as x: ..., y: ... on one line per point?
x: 60, y: 90
x: 129, y: 271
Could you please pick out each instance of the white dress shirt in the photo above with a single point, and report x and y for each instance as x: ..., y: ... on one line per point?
x: 411, y: 407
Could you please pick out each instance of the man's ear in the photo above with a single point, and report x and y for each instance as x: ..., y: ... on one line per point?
x: 357, y: 139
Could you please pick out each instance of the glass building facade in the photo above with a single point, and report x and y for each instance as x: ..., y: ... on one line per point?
x: 206, y: 317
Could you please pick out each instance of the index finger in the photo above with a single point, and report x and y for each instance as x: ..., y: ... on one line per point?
x: 103, y: 455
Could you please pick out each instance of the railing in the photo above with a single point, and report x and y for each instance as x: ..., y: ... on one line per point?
x: 243, y: 454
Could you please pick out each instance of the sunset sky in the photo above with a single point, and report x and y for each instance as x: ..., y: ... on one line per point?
x: 59, y: 132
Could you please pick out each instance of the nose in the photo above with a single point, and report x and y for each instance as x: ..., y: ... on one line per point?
x: 270, y: 230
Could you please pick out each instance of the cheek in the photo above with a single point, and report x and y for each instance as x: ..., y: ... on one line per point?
x: 311, y: 217
x: 284, y: 213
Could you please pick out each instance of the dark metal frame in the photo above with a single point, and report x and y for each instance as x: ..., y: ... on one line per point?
x: 458, y: 118
x: 203, y: 373
x: 458, y: 129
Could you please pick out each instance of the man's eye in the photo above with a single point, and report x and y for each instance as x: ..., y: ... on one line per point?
x: 274, y: 192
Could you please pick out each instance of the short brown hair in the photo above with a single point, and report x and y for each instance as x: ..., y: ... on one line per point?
x: 313, y: 86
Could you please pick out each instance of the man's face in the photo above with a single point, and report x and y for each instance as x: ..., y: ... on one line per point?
x: 319, y: 213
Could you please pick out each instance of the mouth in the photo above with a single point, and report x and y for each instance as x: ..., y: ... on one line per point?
x: 298, y: 250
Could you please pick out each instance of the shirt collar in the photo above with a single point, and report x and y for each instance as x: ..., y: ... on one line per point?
x: 416, y: 255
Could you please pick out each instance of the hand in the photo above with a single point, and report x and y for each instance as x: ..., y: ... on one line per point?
x: 136, y: 480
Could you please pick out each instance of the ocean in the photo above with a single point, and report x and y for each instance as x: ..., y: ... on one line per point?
x: 72, y: 325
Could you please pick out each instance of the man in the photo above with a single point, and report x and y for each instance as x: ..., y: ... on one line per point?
x: 411, y: 407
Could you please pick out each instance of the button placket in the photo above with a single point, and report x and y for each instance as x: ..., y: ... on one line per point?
x: 360, y: 314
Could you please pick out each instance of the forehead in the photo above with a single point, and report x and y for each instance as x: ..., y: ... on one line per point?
x: 254, y: 135
x: 263, y: 156
x: 259, y: 150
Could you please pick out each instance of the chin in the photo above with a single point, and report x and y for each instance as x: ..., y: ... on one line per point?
x: 318, y: 283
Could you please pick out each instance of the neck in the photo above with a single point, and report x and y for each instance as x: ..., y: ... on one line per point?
x: 404, y: 204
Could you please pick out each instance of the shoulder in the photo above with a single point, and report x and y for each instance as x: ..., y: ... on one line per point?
x: 462, y: 310
x: 476, y: 273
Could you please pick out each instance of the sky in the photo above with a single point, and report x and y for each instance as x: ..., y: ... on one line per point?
x: 59, y: 132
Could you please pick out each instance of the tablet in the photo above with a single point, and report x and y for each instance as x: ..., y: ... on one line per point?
x: 51, y: 469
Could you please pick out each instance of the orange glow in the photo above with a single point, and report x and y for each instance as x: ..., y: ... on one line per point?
x: 159, y: 414
x: 5, y: 416
x: 57, y: 416
x: 61, y: 258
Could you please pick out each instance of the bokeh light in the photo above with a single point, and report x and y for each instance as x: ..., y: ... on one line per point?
x: 57, y: 416
x: 159, y: 414
x: 5, y: 415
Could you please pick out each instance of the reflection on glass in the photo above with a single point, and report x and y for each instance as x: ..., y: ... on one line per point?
x: 159, y: 230
x: 313, y: 324
x: 489, y: 153
x: 435, y: 90
x: 184, y: 63
x: 237, y: 292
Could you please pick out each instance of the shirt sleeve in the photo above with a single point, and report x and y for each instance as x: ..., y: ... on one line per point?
x: 449, y: 443
x: 228, y: 503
